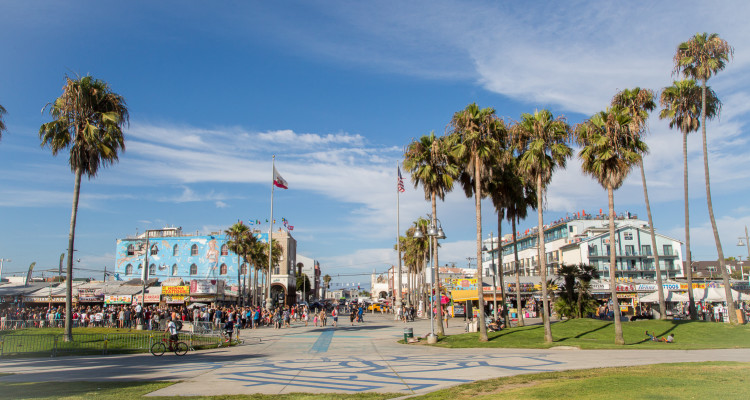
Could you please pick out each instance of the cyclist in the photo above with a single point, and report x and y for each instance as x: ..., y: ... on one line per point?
x: 172, y: 330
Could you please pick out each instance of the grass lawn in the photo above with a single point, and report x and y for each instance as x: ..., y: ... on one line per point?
x: 595, y: 334
x: 131, y: 390
x: 709, y: 380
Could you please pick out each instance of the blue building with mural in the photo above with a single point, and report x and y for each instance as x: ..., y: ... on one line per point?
x: 173, y: 254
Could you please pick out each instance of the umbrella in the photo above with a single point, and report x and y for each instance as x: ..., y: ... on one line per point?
x: 445, y: 300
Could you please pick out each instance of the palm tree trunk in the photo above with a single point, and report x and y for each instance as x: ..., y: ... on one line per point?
x: 613, y: 266
x: 408, y: 287
x: 542, y: 260
x: 688, y: 253
x: 68, y: 337
x: 480, y: 287
x: 659, y: 283
x: 500, y: 268
x: 437, y: 297
x: 518, y: 280
x: 724, y: 274
x: 239, y: 287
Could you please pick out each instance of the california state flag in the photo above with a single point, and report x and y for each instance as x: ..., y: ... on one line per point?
x: 278, y: 181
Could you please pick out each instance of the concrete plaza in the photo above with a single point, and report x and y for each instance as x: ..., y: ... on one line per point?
x: 344, y: 359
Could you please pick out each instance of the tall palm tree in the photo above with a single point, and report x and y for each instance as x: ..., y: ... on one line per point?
x: 430, y: 165
x: 543, y: 143
x: 2, y: 123
x: 257, y: 256
x: 473, y: 140
x: 681, y: 104
x: 88, y: 119
x: 499, y: 188
x: 638, y: 103
x: 609, y: 152
x: 700, y: 58
x: 237, y: 243
x: 327, y: 280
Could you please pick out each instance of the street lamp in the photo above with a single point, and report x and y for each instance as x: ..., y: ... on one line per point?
x: 434, y: 232
x: 747, y: 244
x: 1, y: 266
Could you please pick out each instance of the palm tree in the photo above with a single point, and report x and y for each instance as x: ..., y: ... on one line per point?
x: 430, y: 165
x: 522, y: 195
x: 638, y: 103
x: 609, y: 152
x: 88, y: 119
x: 681, y: 104
x: 2, y: 123
x: 473, y: 139
x: 237, y: 243
x: 700, y: 58
x: 327, y: 279
x: 543, y: 143
x: 257, y: 256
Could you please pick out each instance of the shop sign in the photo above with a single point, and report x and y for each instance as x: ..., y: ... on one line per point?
x: 742, y: 285
x: 118, y: 299
x: 525, y: 287
x: 206, y: 286
x: 175, y: 290
x: 465, y: 283
x: 599, y: 286
x: 702, y: 285
x: 150, y: 298
x: 175, y: 299
x: 625, y: 287
x: 626, y: 295
x: 672, y: 286
x: 37, y: 299
x: 90, y: 299
x: 646, y: 287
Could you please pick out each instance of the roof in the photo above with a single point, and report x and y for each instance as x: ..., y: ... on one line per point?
x: 15, y: 289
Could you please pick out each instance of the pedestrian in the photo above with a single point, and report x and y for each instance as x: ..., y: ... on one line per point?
x: 335, y: 315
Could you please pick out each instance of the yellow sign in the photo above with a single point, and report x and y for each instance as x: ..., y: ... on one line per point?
x: 175, y: 290
x: 464, y: 295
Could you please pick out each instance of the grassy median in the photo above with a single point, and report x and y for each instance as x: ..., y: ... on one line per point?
x: 595, y: 334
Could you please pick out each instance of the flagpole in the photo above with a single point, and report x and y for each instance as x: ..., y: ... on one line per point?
x: 398, y: 242
x: 270, y: 241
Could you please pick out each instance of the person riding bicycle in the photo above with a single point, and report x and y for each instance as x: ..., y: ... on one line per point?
x: 228, y: 330
x: 172, y: 330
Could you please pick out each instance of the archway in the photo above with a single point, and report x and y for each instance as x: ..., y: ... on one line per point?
x: 383, y: 295
x: 278, y: 294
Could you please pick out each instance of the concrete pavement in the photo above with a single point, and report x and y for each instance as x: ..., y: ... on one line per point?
x: 347, y: 359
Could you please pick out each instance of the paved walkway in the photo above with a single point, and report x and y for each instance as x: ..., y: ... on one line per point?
x: 361, y: 358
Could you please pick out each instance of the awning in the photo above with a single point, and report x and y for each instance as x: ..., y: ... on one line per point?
x: 464, y: 295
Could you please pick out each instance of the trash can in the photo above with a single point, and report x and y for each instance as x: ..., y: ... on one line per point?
x: 408, y: 333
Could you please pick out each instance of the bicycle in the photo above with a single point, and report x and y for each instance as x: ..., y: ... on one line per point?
x: 179, y: 348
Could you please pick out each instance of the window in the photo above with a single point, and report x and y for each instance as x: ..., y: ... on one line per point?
x: 152, y: 269
x: 131, y: 251
x: 193, y: 269
x: 628, y: 236
x: 175, y: 250
x: 174, y: 269
x: 668, y: 250
x: 194, y: 250
x: 129, y: 267
x: 592, y: 250
x: 223, y: 269
x: 154, y: 249
x: 243, y: 271
x: 629, y: 250
x: 646, y: 250
x: 224, y: 250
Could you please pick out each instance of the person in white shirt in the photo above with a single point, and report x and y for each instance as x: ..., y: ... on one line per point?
x: 172, y: 329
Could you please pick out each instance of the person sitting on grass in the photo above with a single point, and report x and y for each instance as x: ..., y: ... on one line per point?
x: 668, y: 339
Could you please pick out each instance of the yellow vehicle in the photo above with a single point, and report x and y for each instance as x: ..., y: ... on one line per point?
x: 373, y: 307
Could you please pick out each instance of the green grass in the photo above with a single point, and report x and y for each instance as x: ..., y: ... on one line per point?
x: 131, y: 390
x: 709, y: 380
x: 595, y: 334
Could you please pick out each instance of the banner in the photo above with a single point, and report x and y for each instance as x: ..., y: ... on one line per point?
x: 28, y: 277
x: 204, y: 286
x: 175, y: 290
x: 62, y: 258
x: 175, y: 299
x: 118, y: 299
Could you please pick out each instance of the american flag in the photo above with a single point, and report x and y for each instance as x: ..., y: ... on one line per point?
x: 400, y: 181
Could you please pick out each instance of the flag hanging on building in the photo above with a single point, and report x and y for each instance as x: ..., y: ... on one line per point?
x: 400, y: 184
x: 291, y: 227
x: 278, y: 181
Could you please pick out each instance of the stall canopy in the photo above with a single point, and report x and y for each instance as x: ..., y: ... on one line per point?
x: 717, y: 295
x: 668, y: 296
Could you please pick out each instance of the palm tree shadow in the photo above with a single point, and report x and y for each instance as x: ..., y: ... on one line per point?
x: 506, y: 332
x: 593, y: 330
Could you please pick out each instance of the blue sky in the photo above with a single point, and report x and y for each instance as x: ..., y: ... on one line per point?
x: 336, y: 90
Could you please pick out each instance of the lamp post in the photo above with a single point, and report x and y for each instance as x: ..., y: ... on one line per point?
x: 747, y: 244
x: 494, y: 275
x: 2, y: 260
x: 435, y: 233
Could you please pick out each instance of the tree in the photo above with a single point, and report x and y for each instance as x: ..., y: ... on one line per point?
x: 543, y: 143
x: 303, y: 285
x: 88, y: 119
x: 681, y: 104
x: 638, y: 103
x: 576, y: 299
x: 700, y: 58
x: 237, y: 243
x: 473, y: 141
x: 327, y: 280
x: 431, y: 166
x: 609, y: 152
x: 2, y: 123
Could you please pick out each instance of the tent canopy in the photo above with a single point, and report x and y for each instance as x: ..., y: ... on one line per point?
x: 717, y: 295
x: 668, y: 296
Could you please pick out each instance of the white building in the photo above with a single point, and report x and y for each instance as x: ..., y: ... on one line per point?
x: 586, y: 240
x: 311, y: 268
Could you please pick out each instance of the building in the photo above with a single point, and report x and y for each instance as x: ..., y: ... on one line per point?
x: 586, y: 240
x: 311, y: 268
x: 379, y: 286
x: 197, y: 257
